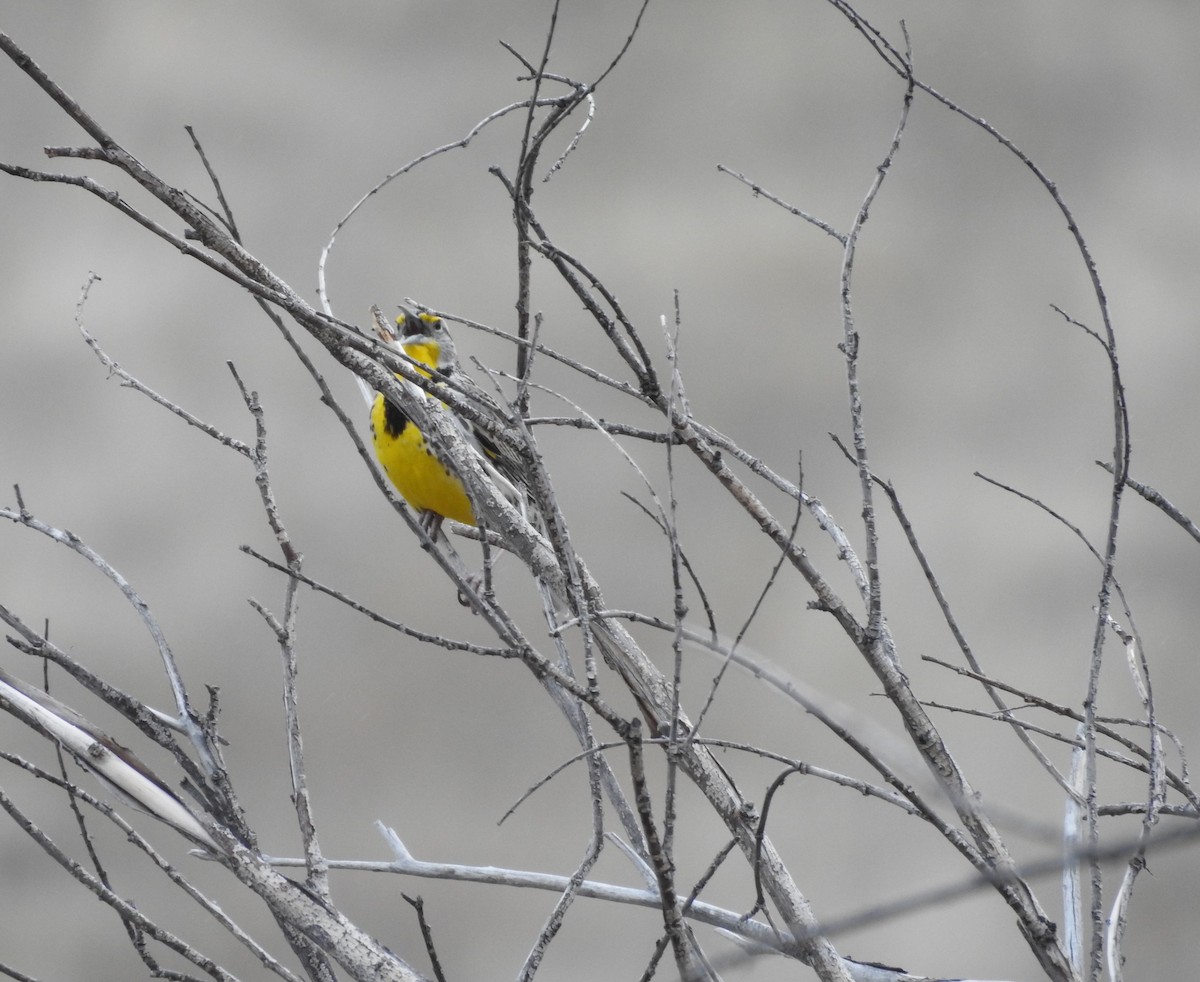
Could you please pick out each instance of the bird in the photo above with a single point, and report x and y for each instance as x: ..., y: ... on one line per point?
x: 425, y: 478
x: 417, y: 468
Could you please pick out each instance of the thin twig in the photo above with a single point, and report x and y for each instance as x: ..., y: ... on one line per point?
x: 285, y: 636
x: 759, y: 191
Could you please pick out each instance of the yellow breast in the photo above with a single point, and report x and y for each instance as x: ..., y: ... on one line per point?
x: 414, y: 467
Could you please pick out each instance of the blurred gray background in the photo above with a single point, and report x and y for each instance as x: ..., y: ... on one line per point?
x: 302, y: 107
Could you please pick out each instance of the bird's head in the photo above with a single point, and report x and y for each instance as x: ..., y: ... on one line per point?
x: 425, y: 339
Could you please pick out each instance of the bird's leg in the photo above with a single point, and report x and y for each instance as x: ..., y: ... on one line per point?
x: 431, y: 522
